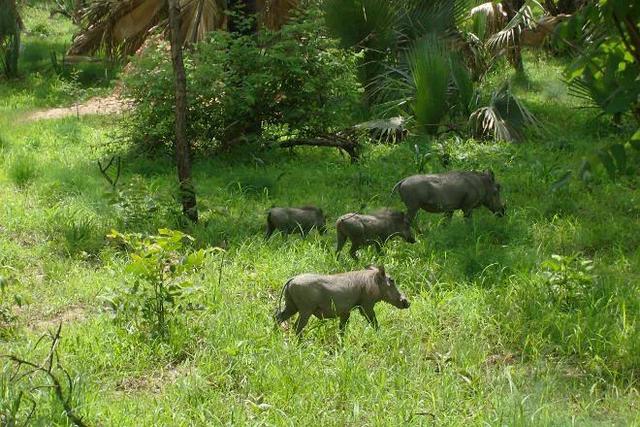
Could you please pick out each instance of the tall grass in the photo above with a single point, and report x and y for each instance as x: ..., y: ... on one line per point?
x: 22, y: 168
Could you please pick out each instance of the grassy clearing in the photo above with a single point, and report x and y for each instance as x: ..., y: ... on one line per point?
x: 490, y: 338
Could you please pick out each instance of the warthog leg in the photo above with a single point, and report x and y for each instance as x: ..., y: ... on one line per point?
x: 344, y: 319
x: 370, y: 315
x: 341, y: 241
x: 303, y: 318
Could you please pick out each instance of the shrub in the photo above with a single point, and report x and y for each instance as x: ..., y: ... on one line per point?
x: 140, y: 206
x: 295, y: 79
x: 159, y: 271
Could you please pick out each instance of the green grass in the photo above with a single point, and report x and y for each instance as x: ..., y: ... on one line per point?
x: 489, y: 339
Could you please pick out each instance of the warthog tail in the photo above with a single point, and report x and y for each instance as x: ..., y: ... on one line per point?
x: 284, y: 288
x: 395, y: 187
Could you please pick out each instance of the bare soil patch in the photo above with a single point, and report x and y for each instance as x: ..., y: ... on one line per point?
x: 71, y: 314
x: 95, y: 106
x: 153, y: 382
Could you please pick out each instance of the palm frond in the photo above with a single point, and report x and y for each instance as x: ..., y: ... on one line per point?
x: 431, y: 73
x: 362, y: 23
x: 505, y: 118
x: 389, y: 130
x: 487, y: 121
x: 122, y: 26
x: 508, y: 35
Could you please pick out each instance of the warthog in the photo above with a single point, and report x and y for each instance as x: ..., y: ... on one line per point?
x: 335, y: 295
x: 373, y: 229
x: 290, y: 220
x: 450, y: 191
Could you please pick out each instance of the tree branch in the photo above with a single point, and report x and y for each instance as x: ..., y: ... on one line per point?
x: 352, y: 148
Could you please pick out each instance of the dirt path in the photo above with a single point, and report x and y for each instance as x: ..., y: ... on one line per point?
x: 107, y: 105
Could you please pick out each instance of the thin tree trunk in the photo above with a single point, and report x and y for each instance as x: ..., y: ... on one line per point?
x: 13, y: 55
x: 511, y: 7
x: 183, y: 161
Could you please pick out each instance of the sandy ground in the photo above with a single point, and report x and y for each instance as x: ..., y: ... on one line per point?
x: 107, y: 105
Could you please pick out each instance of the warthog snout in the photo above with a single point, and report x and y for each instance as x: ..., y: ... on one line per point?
x: 501, y: 212
x: 411, y: 240
x: 404, y: 302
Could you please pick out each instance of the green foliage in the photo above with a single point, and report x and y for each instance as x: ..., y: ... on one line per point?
x: 505, y: 118
x: 10, y: 28
x: 431, y: 73
x: 362, y: 23
x: 605, y: 73
x: 572, y: 312
x: 160, y: 274
x: 137, y: 204
x: 570, y: 280
x: 617, y: 159
x: 294, y: 79
x: 484, y: 342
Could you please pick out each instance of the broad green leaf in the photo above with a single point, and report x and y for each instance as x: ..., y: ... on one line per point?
x: 619, y: 153
x: 635, y: 140
x: 607, y: 162
x: 562, y: 181
x: 585, y: 171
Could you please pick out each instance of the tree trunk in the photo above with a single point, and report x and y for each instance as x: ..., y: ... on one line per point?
x: 12, y: 55
x: 183, y: 161
x: 12, y: 52
x: 511, y: 7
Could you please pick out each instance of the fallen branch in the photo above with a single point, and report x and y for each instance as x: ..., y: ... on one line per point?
x: 341, y: 142
x: 104, y: 169
x: 47, y: 368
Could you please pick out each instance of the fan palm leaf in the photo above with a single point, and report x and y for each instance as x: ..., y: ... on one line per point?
x: 505, y: 118
x: 123, y: 25
x: 430, y: 72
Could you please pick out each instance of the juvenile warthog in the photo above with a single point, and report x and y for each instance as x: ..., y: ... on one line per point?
x: 450, y: 191
x: 373, y: 229
x: 289, y: 220
x: 335, y: 295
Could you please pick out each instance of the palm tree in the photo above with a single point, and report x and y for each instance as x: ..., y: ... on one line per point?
x: 10, y: 29
x: 120, y: 27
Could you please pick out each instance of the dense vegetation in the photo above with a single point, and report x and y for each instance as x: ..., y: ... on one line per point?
x: 526, y: 319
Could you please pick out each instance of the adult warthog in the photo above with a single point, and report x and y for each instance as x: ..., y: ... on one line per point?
x: 374, y: 229
x: 290, y: 220
x: 448, y: 192
x: 335, y: 295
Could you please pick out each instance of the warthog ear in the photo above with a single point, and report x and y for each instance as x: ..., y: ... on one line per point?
x: 490, y: 174
x: 381, y: 271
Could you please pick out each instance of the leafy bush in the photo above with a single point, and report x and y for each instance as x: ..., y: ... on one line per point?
x: 238, y: 86
x: 137, y: 204
x: 160, y: 277
x: 569, y: 279
x: 605, y: 71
